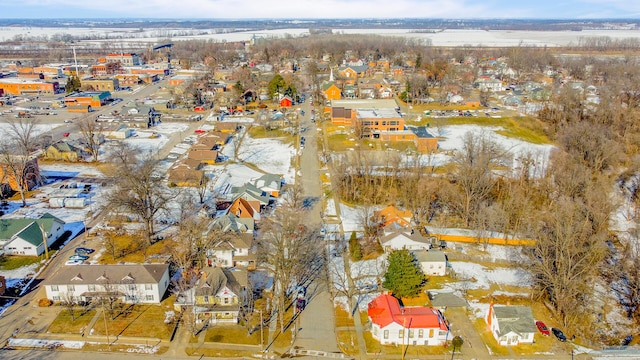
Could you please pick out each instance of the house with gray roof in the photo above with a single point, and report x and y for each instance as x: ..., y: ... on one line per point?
x: 269, y: 183
x: 433, y: 262
x: 511, y: 325
x: 131, y: 283
x: 252, y: 194
x: 26, y: 236
x: 405, y: 239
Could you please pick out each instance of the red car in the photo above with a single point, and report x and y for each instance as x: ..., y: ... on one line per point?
x: 65, y: 134
x: 544, y: 330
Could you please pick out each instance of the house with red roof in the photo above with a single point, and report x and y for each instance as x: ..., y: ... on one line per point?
x: 392, y: 324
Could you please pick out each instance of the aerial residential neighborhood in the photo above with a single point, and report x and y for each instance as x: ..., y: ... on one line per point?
x: 326, y: 195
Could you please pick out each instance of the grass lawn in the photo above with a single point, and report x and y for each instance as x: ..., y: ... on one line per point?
x: 373, y: 346
x: 141, y: 320
x: 64, y: 325
x: 490, y: 342
x: 420, y: 300
x: 127, y: 248
x: 341, y: 142
x: 523, y: 128
x: 234, y: 334
x: 347, y: 342
x: 260, y: 132
x: 16, y: 261
x: 342, y: 317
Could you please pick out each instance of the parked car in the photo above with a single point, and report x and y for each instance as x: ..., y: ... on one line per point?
x: 78, y: 257
x: 544, y: 330
x: 300, y: 304
x: 559, y: 334
x: 74, y: 262
x: 66, y: 134
x: 84, y: 250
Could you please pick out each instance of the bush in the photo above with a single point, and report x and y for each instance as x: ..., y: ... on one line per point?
x: 44, y: 302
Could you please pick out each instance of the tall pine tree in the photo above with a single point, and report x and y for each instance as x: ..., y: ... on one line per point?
x: 404, y: 277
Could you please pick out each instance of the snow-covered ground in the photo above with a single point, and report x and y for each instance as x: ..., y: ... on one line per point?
x: 453, y: 139
x: 269, y: 155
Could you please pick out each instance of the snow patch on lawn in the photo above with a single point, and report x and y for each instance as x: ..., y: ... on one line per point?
x: 38, y: 343
x: 269, y: 155
x: 476, y: 276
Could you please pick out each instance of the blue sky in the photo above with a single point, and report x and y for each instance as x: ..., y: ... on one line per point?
x: 305, y: 9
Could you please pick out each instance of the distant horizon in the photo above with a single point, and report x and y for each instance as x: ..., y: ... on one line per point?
x: 326, y: 9
x: 577, y: 20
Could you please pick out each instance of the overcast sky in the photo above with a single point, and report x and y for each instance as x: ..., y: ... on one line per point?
x: 307, y: 9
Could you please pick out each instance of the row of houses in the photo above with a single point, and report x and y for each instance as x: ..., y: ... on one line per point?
x: 393, y: 324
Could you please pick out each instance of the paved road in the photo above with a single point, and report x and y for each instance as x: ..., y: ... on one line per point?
x: 317, y: 320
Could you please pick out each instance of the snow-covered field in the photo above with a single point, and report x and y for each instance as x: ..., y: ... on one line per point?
x: 448, y: 37
x: 270, y: 155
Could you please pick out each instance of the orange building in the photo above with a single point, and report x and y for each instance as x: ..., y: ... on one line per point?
x: 392, y: 215
x: 379, y: 119
x: 331, y: 91
x: 15, y: 86
x: 424, y: 141
x: 128, y: 79
x: 86, y: 101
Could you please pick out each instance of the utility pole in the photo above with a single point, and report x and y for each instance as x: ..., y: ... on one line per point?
x: 106, y: 329
x: 261, y: 335
x: 44, y: 241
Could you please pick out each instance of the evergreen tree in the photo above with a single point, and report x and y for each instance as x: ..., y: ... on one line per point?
x: 73, y: 84
x: 276, y: 85
x: 404, y: 277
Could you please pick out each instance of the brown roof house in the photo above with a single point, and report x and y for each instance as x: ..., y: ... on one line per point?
x: 232, y: 251
x: 186, y: 173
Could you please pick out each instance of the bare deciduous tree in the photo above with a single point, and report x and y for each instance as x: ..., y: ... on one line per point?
x: 19, y: 166
x: 140, y: 189
x: 91, y: 132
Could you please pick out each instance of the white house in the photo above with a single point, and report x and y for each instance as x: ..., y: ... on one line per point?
x: 26, y: 237
x: 486, y: 83
x: 395, y: 325
x: 135, y: 283
x: 232, y: 251
x: 405, y: 239
x: 511, y: 325
x: 433, y: 263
